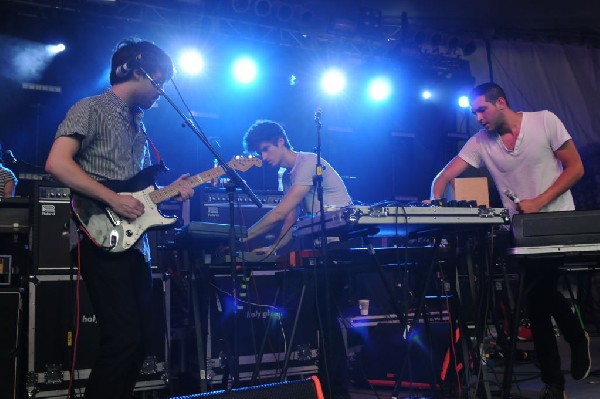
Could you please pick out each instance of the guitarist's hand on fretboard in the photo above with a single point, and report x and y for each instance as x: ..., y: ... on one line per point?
x: 184, y: 187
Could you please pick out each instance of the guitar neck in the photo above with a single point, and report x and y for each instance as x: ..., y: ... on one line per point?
x: 173, y: 189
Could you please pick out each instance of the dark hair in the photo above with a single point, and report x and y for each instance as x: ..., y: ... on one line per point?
x: 490, y: 90
x: 262, y: 131
x: 139, y: 53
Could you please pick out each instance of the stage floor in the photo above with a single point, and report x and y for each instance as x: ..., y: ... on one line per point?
x: 526, y: 373
x: 526, y: 377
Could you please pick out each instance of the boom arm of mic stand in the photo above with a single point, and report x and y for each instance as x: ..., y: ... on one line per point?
x: 234, y: 176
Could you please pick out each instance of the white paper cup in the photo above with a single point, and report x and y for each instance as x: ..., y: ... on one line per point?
x: 363, y: 306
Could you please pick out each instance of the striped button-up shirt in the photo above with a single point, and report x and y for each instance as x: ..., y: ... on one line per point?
x: 113, y: 141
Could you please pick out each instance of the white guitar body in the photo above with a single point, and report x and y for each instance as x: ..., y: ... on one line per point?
x: 117, y: 234
x: 130, y: 231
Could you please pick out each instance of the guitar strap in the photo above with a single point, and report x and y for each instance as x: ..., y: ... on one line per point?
x: 154, y: 150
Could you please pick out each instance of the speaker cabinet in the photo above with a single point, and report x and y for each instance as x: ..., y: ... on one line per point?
x: 302, y: 389
x: 265, y: 313
x: 51, y: 215
x: 51, y: 335
x: 10, y: 314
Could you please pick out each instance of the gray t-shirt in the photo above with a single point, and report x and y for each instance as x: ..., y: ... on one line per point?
x: 531, y: 167
x: 335, y: 194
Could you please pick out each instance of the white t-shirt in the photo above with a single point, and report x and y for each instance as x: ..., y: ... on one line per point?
x: 531, y: 167
x: 334, y: 190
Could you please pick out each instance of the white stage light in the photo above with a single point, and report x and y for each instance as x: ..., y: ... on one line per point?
x: 191, y: 62
x: 244, y: 70
x: 333, y: 82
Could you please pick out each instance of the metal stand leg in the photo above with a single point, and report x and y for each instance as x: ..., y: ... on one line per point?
x: 514, y: 328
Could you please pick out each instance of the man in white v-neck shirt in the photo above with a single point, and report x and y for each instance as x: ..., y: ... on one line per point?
x: 532, y: 155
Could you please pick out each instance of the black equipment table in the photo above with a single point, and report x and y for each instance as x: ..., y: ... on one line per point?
x: 572, y: 237
x: 576, y: 254
x: 426, y: 221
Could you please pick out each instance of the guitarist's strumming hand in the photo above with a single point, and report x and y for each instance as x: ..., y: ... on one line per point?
x: 186, y: 191
x: 126, y: 206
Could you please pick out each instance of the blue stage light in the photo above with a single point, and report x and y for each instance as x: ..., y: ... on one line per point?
x: 244, y: 70
x: 55, y: 48
x: 380, y: 89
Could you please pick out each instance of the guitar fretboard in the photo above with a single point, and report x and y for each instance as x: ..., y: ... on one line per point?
x: 173, y: 189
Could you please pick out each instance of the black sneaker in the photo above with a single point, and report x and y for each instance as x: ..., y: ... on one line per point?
x: 581, y: 362
x: 552, y: 392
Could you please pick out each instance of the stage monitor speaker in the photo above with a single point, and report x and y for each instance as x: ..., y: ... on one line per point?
x: 51, y: 216
x: 51, y: 333
x: 10, y: 314
x: 270, y: 302
x: 301, y: 389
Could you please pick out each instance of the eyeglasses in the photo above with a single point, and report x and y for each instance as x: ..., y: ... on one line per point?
x: 160, y: 83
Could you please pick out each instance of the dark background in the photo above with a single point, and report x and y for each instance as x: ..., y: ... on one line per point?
x: 383, y: 151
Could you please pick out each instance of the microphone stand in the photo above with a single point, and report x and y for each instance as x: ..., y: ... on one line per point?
x: 234, y: 176
x: 236, y: 181
x: 318, y: 182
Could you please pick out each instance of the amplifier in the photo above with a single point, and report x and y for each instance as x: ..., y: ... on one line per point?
x: 14, y: 215
x: 51, y: 334
x: 10, y: 314
x: 50, y: 221
x: 214, y: 208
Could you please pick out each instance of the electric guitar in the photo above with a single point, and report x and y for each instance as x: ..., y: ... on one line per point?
x: 114, y: 233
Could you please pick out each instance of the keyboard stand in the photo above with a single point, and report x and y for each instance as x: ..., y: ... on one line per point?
x: 569, y: 253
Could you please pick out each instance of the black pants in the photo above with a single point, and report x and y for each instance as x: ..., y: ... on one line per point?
x: 120, y: 289
x: 545, y: 301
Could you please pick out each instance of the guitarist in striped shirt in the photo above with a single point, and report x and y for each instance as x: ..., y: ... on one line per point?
x: 103, y: 138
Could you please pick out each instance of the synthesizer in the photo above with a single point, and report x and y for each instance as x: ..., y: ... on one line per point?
x: 556, y: 228
x: 396, y: 220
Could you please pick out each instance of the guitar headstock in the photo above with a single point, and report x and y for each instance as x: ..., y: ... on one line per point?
x: 244, y: 162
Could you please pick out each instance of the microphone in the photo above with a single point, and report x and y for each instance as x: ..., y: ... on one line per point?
x: 512, y: 196
x: 10, y: 156
x: 318, y: 115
